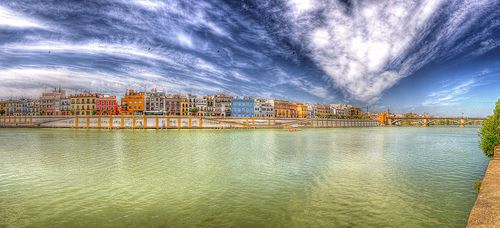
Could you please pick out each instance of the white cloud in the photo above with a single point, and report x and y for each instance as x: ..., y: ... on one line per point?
x: 10, y: 18
x: 148, y: 4
x: 301, y: 6
x: 360, y: 47
x: 185, y: 40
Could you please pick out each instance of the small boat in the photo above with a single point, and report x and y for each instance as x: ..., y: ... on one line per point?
x: 293, y: 130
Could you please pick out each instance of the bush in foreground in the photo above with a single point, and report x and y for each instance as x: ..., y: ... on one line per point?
x: 490, y: 132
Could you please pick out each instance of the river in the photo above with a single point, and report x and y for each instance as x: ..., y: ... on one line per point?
x: 384, y: 177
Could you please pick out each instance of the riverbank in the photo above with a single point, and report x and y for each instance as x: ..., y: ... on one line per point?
x: 175, y: 122
x: 486, y: 210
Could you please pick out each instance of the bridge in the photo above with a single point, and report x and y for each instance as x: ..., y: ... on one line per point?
x: 386, y: 119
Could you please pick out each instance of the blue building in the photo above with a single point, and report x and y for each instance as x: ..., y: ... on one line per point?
x: 242, y: 107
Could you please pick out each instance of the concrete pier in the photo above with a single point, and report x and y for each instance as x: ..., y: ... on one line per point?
x: 486, y: 210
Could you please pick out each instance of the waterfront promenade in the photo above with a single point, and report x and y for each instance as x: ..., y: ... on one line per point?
x: 486, y: 210
x: 176, y: 122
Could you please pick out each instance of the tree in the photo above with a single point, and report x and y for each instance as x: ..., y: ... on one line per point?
x: 2, y: 112
x: 490, y: 132
x: 193, y: 110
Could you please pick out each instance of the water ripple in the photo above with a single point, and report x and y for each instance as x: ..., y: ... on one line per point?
x: 373, y: 177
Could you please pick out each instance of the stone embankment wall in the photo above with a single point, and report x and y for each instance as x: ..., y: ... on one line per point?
x: 486, y: 210
x: 175, y: 122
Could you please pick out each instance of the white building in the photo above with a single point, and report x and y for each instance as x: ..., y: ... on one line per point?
x: 311, y: 111
x: 203, y: 108
x: 339, y: 109
x: 263, y: 108
x: 191, y: 99
x: 155, y: 103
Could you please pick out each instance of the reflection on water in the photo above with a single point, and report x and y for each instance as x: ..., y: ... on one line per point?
x: 316, y: 177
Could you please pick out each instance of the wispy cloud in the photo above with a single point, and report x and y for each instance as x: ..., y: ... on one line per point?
x: 30, y: 81
x: 94, y: 47
x: 10, y: 18
x: 450, y: 94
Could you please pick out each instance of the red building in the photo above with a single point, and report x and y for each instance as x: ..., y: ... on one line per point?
x: 107, y: 105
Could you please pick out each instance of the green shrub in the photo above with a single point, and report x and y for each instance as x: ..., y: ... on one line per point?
x: 477, y: 185
x: 490, y: 132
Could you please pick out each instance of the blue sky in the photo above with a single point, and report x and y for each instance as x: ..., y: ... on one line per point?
x: 440, y: 57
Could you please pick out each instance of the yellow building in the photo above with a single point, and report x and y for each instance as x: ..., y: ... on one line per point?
x: 83, y: 103
x: 133, y: 103
x: 302, y: 110
x: 184, y: 106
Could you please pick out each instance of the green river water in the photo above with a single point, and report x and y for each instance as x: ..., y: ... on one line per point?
x: 354, y: 177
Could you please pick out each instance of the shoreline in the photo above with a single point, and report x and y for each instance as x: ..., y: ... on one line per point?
x: 486, y: 209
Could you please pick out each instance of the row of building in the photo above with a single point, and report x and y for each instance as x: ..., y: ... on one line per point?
x: 57, y: 102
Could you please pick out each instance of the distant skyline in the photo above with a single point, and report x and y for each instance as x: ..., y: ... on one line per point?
x: 439, y: 57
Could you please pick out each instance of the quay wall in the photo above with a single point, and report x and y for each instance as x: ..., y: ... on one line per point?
x: 175, y: 122
x: 486, y: 209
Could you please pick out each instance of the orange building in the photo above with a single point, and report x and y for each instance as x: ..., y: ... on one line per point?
x: 383, y: 118
x: 284, y: 109
x: 280, y: 108
x: 133, y: 103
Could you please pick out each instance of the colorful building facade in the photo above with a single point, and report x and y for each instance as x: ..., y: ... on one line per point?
x: 311, y: 111
x: 263, y: 108
x: 22, y: 107
x: 133, y: 103
x: 155, y: 103
x: 2, y: 107
x: 284, y: 109
x: 51, y: 102
x: 302, y: 110
x: 83, y: 103
x: 203, y: 108
x: 322, y: 111
x: 222, y: 105
x: 176, y: 105
x: 242, y: 107
x: 107, y: 105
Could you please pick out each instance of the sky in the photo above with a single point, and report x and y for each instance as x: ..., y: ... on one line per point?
x: 428, y: 56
